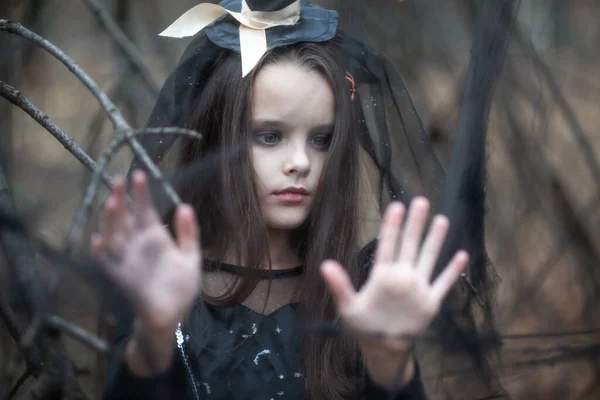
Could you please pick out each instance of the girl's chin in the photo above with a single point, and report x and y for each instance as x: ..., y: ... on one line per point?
x: 287, y: 222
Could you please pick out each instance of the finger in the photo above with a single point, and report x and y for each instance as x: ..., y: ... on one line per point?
x: 143, y: 207
x: 413, y: 231
x: 109, y: 223
x: 450, y: 274
x: 433, y: 245
x: 96, y: 245
x: 186, y: 229
x: 119, y: 193
x: 338, y: 282
x: 389, y: 233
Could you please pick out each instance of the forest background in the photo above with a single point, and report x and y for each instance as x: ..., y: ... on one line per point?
x: 543, y: 230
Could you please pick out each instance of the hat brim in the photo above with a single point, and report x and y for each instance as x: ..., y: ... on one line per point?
x: 316, y: 25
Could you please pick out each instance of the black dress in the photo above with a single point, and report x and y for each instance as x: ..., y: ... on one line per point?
x: 237, y: 352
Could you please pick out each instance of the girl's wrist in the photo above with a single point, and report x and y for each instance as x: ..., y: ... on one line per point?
x: 149, y: 352
x: 389, y: 362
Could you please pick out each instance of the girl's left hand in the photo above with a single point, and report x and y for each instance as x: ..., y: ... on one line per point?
x: 398, y: 299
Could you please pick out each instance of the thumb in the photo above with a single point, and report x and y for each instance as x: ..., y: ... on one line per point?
x: 338, y: 282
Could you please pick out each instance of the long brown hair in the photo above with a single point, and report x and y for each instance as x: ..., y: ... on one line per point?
x: 229, y: 212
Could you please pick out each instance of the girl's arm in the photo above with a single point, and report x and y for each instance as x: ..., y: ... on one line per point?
x: 411, y: 389
x: 388, y: 365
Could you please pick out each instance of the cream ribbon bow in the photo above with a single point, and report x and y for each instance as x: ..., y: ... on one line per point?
x: 253, y: 26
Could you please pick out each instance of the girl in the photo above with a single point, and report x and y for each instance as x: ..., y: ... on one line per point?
x: 278, y: 185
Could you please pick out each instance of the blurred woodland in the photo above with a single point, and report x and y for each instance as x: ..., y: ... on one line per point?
x: 543, y: 190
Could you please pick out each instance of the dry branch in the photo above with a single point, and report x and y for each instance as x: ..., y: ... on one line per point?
x: 18, y: 384
x: 168, y: 132
x: 19, y: 254
x: 9, y: 318
x: 107, y: 104
x: 133, y: 55
x: 122, y: 128
x: 22, y: 262
x: 115, y: 144
x: 78, y: 333
x: 16, y: 97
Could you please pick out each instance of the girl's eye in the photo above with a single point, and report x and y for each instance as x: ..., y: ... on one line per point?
x: 268, y: 138
x: 321, y: 141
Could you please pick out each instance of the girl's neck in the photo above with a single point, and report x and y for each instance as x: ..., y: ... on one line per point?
x: 281, y: 251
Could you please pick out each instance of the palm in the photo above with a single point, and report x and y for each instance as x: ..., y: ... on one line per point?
x: 398, y: 298
x: 160, y: 277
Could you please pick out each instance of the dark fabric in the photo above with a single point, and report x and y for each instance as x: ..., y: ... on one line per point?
x: 268, y: 5
x: 123, y: 385
x: 238, y: 354
x: 409, y: 391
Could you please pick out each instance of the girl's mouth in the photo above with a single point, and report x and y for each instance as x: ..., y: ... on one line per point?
x: 292, y: 195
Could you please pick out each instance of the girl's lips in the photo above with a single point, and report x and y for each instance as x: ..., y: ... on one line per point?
x: 291, y: 197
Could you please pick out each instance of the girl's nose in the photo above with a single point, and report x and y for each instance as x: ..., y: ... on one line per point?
x: 297, y: 161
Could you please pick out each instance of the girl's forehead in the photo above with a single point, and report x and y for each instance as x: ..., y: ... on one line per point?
x: 292, y: 94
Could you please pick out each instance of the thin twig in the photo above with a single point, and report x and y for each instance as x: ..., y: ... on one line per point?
x: 577, y: 130
x: 90, y: 194
x: 19, y: 383
x: 78, y: 333
x: 18, y: 253
x: 16, y: 97
x: 98, y: 121
x: 131, y: 52
x: 9, y: 318
x: 49, y: 385
x: 121, y: 127
x: 28, y: 338
x: 18, y: 29
x: 31, y: 356
x: 114, y: 145
x: 174, y: 131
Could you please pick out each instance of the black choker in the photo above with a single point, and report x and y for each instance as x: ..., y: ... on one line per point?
x: 211, y: 266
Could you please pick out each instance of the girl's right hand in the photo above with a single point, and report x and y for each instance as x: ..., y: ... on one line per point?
x: 161, y: 277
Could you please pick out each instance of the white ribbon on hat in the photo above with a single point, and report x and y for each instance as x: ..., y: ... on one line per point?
x: 253, y: 26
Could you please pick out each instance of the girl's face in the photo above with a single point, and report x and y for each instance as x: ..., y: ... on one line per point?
x: 293, y: 113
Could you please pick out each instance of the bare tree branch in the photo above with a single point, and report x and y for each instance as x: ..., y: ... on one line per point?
x: 19, y: 383
x: 131, y: 52
x: 16, y: 97
x: 9, y: 318
x: 103, y: 162
x: 168, y: 132
x: 113, y: 113
x: 18, y: 253
x: 22, y: 261
x: 31, y: 357
x: 50, y: 383
x: 78, y: 333
x: 121, y: 127
x: 90, y: 194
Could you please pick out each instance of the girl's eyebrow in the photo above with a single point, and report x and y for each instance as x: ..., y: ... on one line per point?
x: 324, y: 127
x: 269, y: 124
x: 282, y: 125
